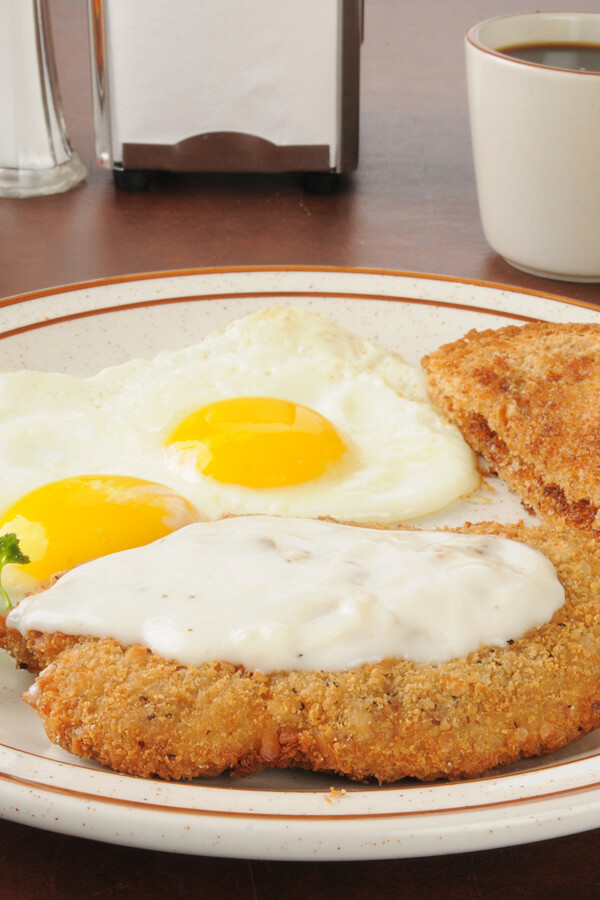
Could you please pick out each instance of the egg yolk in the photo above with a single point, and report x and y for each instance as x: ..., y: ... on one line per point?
x: 259, y: 442
x: 77, y: 519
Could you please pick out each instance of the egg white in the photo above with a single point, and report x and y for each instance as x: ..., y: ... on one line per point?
x: 403, y: 459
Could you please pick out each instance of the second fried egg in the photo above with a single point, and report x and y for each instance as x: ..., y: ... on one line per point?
x: 282, y: 413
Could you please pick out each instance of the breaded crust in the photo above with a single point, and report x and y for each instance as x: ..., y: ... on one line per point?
x: 144, y: 715
x: 528, y: 399
x: 35, y: 650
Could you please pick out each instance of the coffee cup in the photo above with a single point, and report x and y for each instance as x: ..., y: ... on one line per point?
x: 535, y: 128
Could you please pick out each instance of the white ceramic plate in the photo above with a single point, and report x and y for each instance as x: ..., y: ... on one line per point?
x: 278, y: 815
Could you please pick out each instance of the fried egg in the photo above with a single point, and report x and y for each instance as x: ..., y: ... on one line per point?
x: 64, y: 523
x: 281, y: 413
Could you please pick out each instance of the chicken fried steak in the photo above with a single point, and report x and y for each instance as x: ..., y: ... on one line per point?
x: 144, y: 715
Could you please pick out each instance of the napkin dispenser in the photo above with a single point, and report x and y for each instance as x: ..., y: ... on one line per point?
x: 260, y: 86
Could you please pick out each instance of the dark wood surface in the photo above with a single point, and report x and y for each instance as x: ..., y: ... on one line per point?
x: 411, y: 205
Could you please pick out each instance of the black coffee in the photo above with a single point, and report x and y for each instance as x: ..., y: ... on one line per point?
x: 581, y: 57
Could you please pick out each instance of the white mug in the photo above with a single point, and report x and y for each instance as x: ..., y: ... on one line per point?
x: 535, y: 130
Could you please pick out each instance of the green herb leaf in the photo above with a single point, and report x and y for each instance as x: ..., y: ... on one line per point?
x: 10, y: 552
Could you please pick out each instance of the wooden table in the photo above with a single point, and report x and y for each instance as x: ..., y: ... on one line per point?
x: 410, y: 206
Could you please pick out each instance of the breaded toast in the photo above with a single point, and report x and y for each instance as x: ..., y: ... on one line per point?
x: 527, y: 398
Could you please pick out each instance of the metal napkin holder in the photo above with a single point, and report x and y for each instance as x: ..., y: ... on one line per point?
x: 226, y: 86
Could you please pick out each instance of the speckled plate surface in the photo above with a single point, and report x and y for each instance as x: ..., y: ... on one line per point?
x: 278, y: 815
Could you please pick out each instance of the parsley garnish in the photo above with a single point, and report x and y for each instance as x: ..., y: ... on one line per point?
x: 10, y: 552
